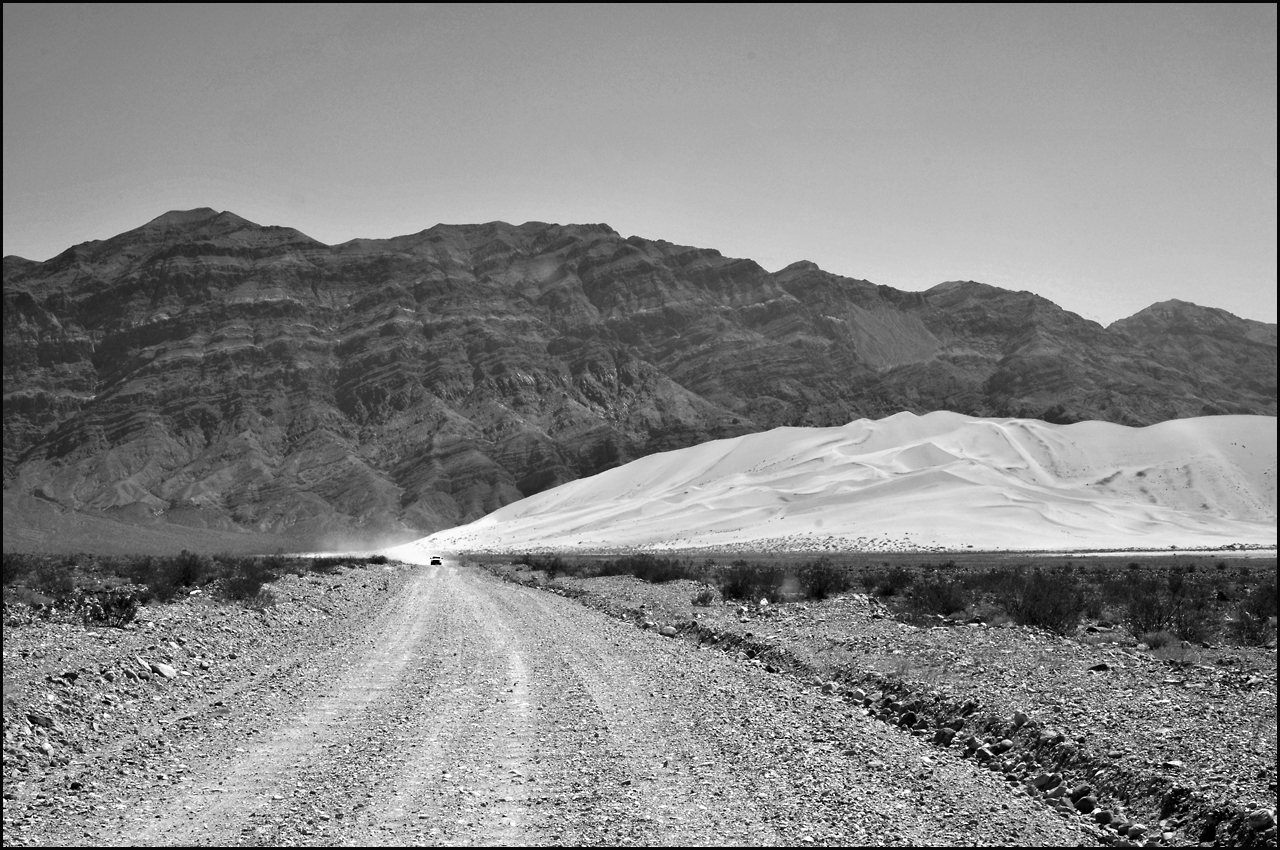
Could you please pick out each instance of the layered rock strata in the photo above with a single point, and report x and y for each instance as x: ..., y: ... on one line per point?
x: 205, y: 371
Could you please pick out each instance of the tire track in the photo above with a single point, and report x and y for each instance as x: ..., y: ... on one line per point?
x: 473, y: 711
x: 254, y: 782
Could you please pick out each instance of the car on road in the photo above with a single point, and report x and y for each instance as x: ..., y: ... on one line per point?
x: 436, y: 561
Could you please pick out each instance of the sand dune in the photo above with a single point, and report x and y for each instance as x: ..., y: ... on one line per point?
x: 910, y: 482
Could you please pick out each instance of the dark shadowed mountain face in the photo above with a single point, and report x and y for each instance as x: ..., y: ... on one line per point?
x: 206, y: 371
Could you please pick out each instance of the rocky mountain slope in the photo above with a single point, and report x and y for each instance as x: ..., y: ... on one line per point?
x: 203, y: 371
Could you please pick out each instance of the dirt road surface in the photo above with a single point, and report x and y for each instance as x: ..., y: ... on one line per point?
x: 472, y: 711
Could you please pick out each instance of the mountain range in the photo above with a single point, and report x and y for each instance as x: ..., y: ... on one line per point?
x: 206, y: 374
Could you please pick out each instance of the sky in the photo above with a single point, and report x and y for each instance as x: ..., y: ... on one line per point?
x: 1104, y: 157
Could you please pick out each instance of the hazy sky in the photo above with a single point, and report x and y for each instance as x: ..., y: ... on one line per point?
x: 1105, y: 157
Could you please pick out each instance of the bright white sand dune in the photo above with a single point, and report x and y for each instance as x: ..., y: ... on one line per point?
x: 906, y: 482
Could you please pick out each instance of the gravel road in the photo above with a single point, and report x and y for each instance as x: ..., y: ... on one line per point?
x: 474, y: 711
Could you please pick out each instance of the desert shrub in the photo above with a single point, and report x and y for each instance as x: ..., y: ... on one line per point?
x: 227, y: 565
x: 1251, y: 621
x: 169, y: 577
x: 738, y: 581
x: 29, y: 597
x: 893, y: 582
x: 988, y: 582
x: 1180, y: 605
x: 999, y: 617
x: 1249, y: 629
x: 1263, y: 601
x: 554, y: 566
x: 887, y: 582
x: 649, y: 568
x: 748, y: 582
x: 116, y: 607
x: 16, y: 565
x: 1156, y: 640
x: 821, y: 579
x: 1178, y: 652
x: 276, y: 563
x: 1052, y: 602
x: 54, y: 577
x: 704, y: 598
x: 1194, y: 617
x: 379, y: 560
x: 1147, y: 607
x: 326, y: 566
x: 939, y: 596
x: 264, y: 598
x: 137, y: 569
x: 245, y: 584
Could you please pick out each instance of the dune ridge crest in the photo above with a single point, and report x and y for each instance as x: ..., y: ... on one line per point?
x: 906, y: 482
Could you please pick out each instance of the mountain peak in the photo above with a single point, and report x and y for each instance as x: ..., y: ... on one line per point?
x: 1184, y: 317
x: 177, y: 218
x: 801, y: 266
x: 1176, y: 311
x: 197, y: 216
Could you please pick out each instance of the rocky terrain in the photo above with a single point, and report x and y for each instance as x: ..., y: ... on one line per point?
x: 204, y: 372
x: 449, y: 705
x: 440, y: 705
x: 1178, y: 749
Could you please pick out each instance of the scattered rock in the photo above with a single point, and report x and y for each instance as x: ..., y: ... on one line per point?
x: 164, y: 670
x: 1100, y: 667
x: 41, y: 720
x: 1050, y: 737
x: 1261, y: 819
x: 668, y: 631
x: 1044, y: 780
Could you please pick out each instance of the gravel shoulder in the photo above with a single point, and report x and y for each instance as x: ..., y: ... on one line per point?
x: 442, y: 705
